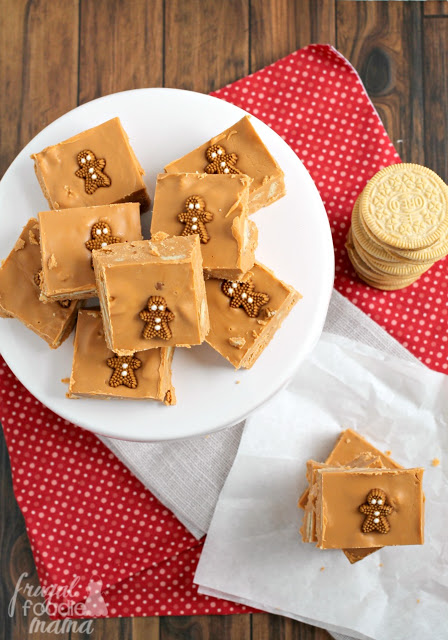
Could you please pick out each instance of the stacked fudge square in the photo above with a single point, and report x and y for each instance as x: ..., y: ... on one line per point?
x: 360, y: 500
x: 196, y: 279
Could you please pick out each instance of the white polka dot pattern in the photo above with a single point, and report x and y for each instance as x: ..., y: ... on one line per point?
x: 85, y: 513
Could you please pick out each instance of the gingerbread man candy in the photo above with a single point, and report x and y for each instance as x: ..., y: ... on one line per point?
x: 220, y: 161
x: 91, y: 169
x: 101, y: 236
x: 124, y: 368
x: 376, y: 511
x: 195, y: 218
x: 157, y: 317
x: 242, y: 294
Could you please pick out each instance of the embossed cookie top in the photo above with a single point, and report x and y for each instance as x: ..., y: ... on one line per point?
x: 406, y: 206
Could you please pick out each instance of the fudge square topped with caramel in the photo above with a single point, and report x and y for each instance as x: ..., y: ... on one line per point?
x: 152, y: 293
x: 362, y: 508
x: 238, y: 149
x: 245, y: 315
x: 98, y: 373
x: 94, y: 167
x: 215, y: 207
x: 69, y: 236
x: 20, y: 290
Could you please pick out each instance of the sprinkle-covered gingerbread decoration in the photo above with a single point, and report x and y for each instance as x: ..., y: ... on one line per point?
x: 220, y: 161
x: 242, y: 294
x: 124, y: 368
x: 376, y: 511
x: 91, y: 169
x: 195, y: 218
x: 38, y: 282
x: 101, y: 236
x: 157, y: 317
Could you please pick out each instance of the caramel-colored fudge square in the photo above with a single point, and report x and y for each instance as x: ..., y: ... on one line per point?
x: 215, y: 207
x: 308, y: 530
x: 106, y: 150
x: 148, y: 284
x: 68, y: 237
x: 349, y: 445
x: 19, y: 291
x: 92, y: 375
x: 250, y: 157
x: 236, y: 335
x: 362, y: 508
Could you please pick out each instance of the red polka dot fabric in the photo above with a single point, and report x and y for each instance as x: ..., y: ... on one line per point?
x: 102, y: 543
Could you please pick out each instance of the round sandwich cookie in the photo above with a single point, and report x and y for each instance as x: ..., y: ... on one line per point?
x: 369, y: 245
x: 372, y: 277
x: 405, y: 206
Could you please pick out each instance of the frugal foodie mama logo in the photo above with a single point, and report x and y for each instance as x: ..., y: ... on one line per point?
x: 59, y: 603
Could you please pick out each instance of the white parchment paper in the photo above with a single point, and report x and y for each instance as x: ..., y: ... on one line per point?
x: 253, y: 552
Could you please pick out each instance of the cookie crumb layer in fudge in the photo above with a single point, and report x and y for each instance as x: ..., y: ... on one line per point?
x: 69, y: 236
x: 238, y: 149
x: 215, y: 207
x: 245, y: 315
x: 362, y: 508
x: 20, y: 291
x: 96, y: 166
x: 98, y: 372
x: 152, y: 293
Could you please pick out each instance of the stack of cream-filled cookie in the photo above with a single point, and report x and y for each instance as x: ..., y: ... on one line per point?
x: 399, y: 226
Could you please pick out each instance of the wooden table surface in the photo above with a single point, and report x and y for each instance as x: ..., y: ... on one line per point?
x: 56, y: 55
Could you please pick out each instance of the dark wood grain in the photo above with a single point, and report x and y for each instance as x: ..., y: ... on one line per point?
x: 206, y: 628
x: 38, y: 70
x: 435, y: 60
x: 279, y: 27
x: 387, y: 51
x: 206, y: 43
x: 121, y: 46
x: 270, y: 627
x: 111, y: 629
x: 435, y: 8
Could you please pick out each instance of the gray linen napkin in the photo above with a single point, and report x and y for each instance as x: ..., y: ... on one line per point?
x: 187, y: 476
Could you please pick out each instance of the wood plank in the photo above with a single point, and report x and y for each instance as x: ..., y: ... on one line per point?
x: 36, y: 86
x: 145, y: 628
x: 279, y: 27
x: 270, y: 627
x: 205, y: 627
x: 121, y: 46
x: 436, y: 94
x: 206, y: 43
x: 107, y: 629
x: 435, y: 8
x: 387, y: 51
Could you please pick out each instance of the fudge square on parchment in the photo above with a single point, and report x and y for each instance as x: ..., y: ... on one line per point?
x: 363, y: 508
x: 215, y: 207
x: 152, y: 293
x: 69, y: 236
x: 97, y: 372
x: 349, y: 446
x: 238, y: 149
x: 96, y: 166
x: 20, y: 277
